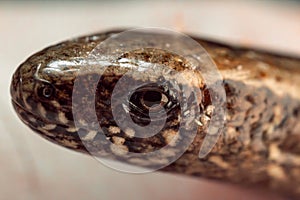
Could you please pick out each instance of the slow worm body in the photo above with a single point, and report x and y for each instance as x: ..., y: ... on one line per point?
x: 259, y: 146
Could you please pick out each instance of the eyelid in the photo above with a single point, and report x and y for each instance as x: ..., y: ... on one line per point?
x: 164, y: 98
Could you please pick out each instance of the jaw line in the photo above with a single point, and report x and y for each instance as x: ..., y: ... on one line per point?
x: 19, y: 108
x: 47, y: 134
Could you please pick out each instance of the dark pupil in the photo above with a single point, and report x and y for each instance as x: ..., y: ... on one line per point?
x: 47, y: 92
x: 151, y: 98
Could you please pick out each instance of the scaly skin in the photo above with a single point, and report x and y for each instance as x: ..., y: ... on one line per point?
x: 260, y: 143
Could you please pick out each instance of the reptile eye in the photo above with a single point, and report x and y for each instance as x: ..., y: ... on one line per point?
x: 46, y: 91
x: 151, y: 99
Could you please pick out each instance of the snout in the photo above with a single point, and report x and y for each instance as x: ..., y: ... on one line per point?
x: 16, y: 88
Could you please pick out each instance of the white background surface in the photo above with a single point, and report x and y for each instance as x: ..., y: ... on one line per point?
x: 32, y: 168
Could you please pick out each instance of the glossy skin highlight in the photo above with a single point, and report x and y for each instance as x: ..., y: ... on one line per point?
x: 260, y: 146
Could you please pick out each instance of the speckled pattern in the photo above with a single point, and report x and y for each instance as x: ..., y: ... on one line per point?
x: 259, y: 146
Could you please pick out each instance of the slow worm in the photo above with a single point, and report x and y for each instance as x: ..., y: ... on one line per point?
x: 259, y: 143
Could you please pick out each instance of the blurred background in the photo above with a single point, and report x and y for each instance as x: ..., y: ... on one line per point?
x: 32, y: 168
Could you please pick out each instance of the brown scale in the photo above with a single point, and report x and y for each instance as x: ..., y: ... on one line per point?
x: 260, y: 144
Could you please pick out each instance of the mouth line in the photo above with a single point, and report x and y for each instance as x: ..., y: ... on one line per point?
x: 15, y: 102
x: 39, y: 123
x: 19, y: 106
x: 20, y: 109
